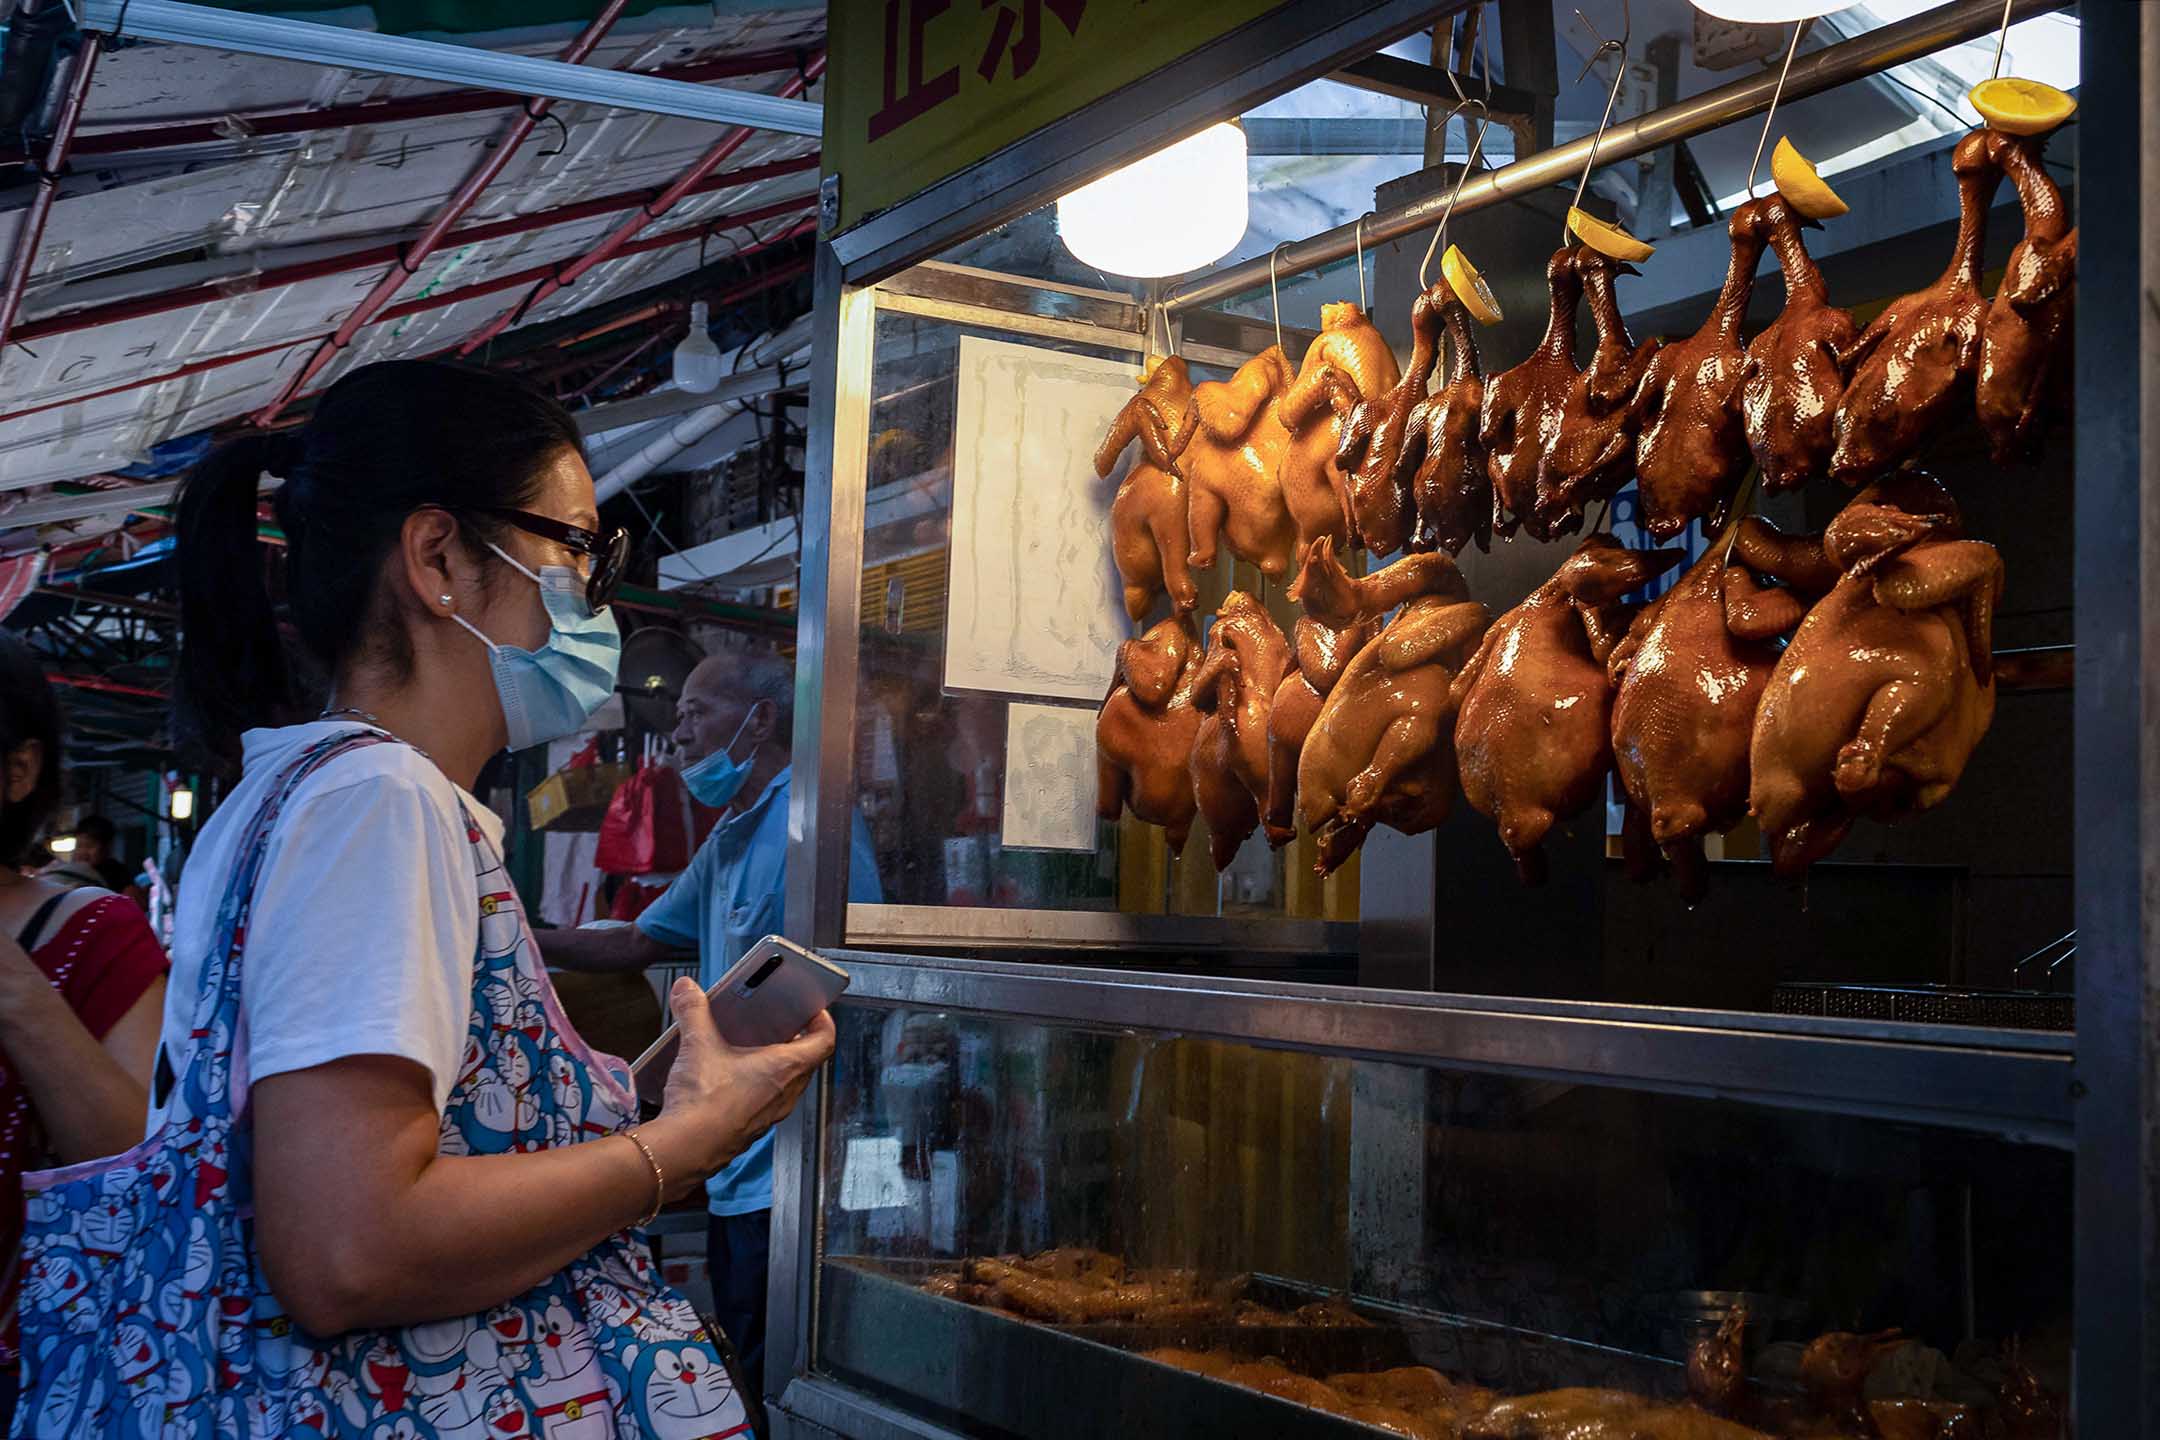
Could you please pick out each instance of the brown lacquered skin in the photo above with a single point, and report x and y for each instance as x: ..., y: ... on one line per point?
x: 1149, y: 538
x: 1247, y: 658
x: 1346, y: 364
x: 1601, y: 1415
x: 1688, y: 678
x: 1717, y: 1377
x: 1592, y: 453
x: 1835, y: 1367
x: 1795, y: 371
x: 1376, y: 456
x: 1521, y: 415
x: 1320, y: 651
x: 1450, y: 489
x: 1231, y: 463
x: 1379, y: 753
x: 1888, y: 684
x: 2025, y: 341
x: 1912, y: 369
x: 1144, y: 736
x: 1691, y: 444
x: 1534, y: 737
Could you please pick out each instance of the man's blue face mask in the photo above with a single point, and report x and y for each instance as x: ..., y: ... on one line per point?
x: 718, y: 778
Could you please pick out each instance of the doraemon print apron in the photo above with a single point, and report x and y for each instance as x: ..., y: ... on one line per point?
x: 145, y: 1311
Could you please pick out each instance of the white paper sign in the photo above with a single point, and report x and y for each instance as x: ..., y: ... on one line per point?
x: 1034, y: 607
x: 1049, y: 778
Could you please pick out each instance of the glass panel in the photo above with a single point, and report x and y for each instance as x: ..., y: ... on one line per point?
x: 1045, y: 1230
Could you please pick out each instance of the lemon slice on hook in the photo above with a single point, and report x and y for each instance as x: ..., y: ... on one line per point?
x: 1606, y: 238
x: 1803, y: 189
x: 1469, y: 286
x: 2021, y: 107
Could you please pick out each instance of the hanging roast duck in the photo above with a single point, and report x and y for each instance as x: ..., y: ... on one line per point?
x: 1144, y: 736
x: 1379, y: 752
x: 1687, y: 680
x: 1246, y: 660
x: 1913, y: 368
x: 1521, y: 415
x: 1321, y: 649
x: 1382, y: 440
x: 1347, y: 363
x: 1691, y: 445
x: 2025, y: 339
x: 1795, y: 370
x: 1232, y: 456
x: 1888, y: 684
x: 1534, y: 733
x: 1450, y: 489
x: 1149, y: 538
x: 1592, y: 452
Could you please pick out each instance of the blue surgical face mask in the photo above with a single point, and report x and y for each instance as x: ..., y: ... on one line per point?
x: 717, y: 779
x: 551, y: 692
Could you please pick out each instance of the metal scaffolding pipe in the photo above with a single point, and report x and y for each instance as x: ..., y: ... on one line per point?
x: 671, y: 437
x: 453, y: 210
x: 32, y: 232
x: 1849, y: 60
x: 667, y: 199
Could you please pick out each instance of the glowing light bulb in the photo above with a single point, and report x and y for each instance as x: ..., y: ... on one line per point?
x: 1769, y: 12
x: 1173, y: 211
x: 183, y: 804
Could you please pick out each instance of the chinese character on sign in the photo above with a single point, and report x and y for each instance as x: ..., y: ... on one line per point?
x: 921, y: 95
x: 1027, y: 49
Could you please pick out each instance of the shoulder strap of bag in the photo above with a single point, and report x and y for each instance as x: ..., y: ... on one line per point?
x: 35, y: 930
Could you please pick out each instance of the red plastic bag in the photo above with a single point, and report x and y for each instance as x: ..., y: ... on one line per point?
x: 647, y: 826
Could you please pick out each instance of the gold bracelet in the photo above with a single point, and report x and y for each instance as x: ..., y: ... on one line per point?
x: 659, y: 1176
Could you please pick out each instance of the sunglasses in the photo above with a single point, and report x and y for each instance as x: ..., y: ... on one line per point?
x: 607, y: 552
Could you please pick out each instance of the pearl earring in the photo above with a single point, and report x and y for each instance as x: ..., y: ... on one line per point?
x: 446, y: 600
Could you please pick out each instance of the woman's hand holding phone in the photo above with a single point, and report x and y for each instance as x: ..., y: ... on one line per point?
x: 720, y: 1098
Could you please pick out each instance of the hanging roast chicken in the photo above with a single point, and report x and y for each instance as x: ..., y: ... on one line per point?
x: 1687, y: 680
x: 1383, y: 439
x: 1691, y: 445
x: 1144, y: 736
x: 1888, y: 684
x: 1379, y: 753
x: 1321, y: 649
x: 1149, y: 538
x: 1592, y: 453
x: 1450, y: 488
x: 1534, y: 732
x: 1347, y: 363
x: 1795, y: 370
x: 1521, y: 416
x: 2025, y: 340
x: 1246, y: 660
x: 1232, y: 456
x: 1913, y: 368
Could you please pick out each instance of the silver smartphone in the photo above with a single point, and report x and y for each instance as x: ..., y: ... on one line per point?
x: 765, y: 998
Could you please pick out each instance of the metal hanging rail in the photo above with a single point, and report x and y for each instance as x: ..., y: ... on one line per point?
x: 1855, y: 59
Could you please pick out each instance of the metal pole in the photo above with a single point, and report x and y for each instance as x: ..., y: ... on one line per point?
x: 32, y: 233
x: 1854, y: 59
x: 662, y: 203
x: 453, y: 210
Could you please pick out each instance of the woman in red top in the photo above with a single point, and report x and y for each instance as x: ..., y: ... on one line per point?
x: 82, y: 989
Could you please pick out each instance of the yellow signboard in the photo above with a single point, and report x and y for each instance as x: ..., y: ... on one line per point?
x: 917, y: 90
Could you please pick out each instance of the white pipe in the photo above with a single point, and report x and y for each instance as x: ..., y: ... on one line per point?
x: 671, y: 438
x: 465, y: 65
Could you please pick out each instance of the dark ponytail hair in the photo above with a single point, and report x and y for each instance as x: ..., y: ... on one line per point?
x: 28, y: 711
x: 386, y: 440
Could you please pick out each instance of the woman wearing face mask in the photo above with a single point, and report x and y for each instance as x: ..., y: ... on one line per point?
x: 441, y: 1175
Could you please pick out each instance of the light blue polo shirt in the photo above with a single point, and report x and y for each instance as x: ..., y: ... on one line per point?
x: 733, y: 895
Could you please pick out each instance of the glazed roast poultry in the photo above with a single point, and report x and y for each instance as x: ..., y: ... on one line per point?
x: 1144, y: 736
x: 1233, y: 453
x: 1601, y: 1415
x: 1687, y: 680
x: 1533, y: 734
x: 1246, y: 660
x: 1691, y: 441
x: 1593, y: 445
x: 1521, y: 415
x: 1379, y: 753
x: 2025, y: 340
x: 1321, y: 649
x: 1913, y: 367
x: 1888, y: 684
x: 1149, y: 537
x: 1795, y: 370
x: 1378, y: 450
x: 1347, y: 363
x: 1450, y: 489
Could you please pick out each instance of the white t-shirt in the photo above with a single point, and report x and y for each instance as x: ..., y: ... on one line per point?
x: 366, y: 917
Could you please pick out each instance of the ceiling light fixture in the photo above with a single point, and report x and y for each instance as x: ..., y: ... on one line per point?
x: 1173, y: 211
x: 1770, y: 12
x: 697, y: 359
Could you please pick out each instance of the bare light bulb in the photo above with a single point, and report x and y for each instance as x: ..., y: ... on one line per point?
x: 697, y: 359
x: 183, y: 804
x: 1173, y: 211
x: 1769, y: 12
